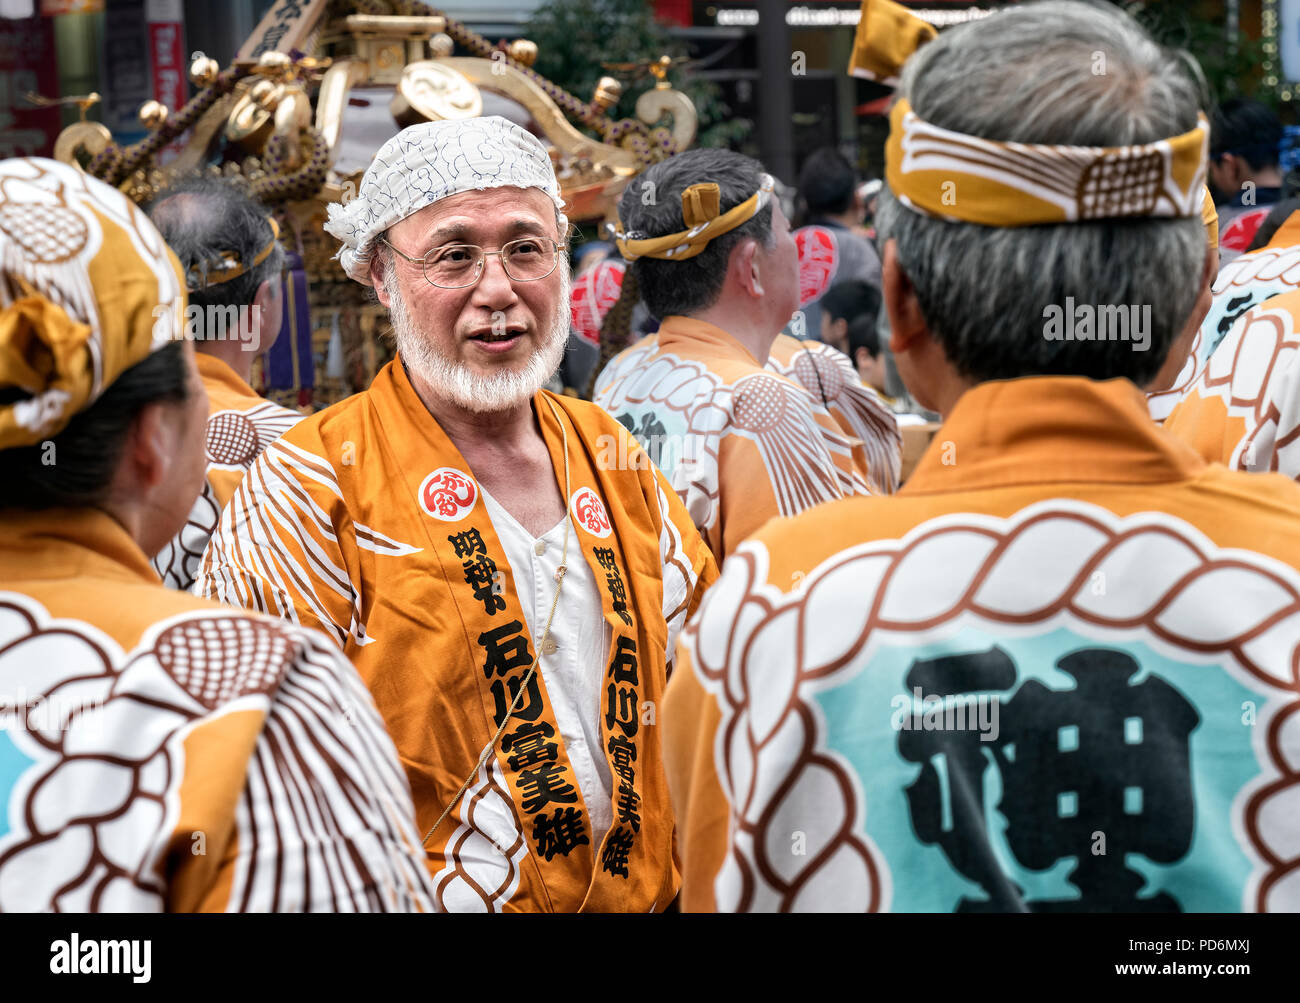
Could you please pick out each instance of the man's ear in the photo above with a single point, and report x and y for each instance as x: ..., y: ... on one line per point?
x: 150, y: 444
x: 1211, y: 267
x: 906, y: 322
x: 267, y: 296
x: 377, y: 278
x: 1238, y: 170
x: 748, y: 263
x: 267, y: 302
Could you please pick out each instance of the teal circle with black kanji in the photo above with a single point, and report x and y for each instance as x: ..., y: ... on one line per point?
x: 1054, y: 772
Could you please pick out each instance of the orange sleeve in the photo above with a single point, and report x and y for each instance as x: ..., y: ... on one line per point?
x: 285, y: 545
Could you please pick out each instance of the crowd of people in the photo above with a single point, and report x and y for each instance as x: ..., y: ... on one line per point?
x: 710, y: 640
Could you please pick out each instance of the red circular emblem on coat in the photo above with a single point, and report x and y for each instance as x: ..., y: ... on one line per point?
x: 819, y: 258
x: 589, y: 512
x: 594, y: 295
x: 448, y: 494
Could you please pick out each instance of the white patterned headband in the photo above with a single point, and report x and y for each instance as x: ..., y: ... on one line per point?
x: 429, y: 162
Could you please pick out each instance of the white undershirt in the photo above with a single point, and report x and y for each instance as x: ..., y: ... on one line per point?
x: 575, y: 671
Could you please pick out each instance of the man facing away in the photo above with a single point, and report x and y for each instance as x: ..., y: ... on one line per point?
x: 1056, y: 671
x: 1245, y: 140
x: 161, y: 752
x: 230, y: 252
x: 739, y: 439
x: 509, y: 598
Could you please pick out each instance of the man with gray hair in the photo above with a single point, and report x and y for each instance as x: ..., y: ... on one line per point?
x: 715, y: 395
x: 1040, y: 677
x: 509, y: 599
x: 229, y: 248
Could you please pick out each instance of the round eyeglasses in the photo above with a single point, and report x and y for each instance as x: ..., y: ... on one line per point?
x: 456, y: 266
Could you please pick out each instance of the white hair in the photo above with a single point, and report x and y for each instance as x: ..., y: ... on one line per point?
x: 457, y: 382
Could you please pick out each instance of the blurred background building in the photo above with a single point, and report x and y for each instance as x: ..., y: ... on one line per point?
x: 785, y: 57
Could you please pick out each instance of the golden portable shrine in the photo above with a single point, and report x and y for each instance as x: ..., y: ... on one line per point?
x: 311, y: 97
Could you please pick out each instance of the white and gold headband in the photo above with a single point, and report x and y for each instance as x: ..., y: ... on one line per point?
x: 951, y: 175
x: 227, y: 266
x: 700, y: 213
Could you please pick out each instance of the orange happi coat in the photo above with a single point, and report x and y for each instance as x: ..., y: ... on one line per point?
x: 166, y: 753
x: 366, y: 521
x: 1056, y: 672
x: 1243, y: 409
x: 742, y: 442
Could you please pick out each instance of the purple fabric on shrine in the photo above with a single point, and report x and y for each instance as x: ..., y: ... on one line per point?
x: 295, y: 335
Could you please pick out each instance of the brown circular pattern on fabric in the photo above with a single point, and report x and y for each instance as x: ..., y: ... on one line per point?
x: 760, y: 404
x: 216, y: 659
x: 232, y: 439
x: 818, y: 372
x: 1127, y: 187
x: 49, y: 234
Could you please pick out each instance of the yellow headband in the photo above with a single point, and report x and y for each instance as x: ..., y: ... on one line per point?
x: 947, y: 174
x: 228, y: 265
x: 700, y: 204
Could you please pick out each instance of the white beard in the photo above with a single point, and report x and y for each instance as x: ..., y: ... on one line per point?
x: 461, y: 385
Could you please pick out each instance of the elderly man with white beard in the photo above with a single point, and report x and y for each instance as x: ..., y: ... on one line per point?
x: 507, y: 596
